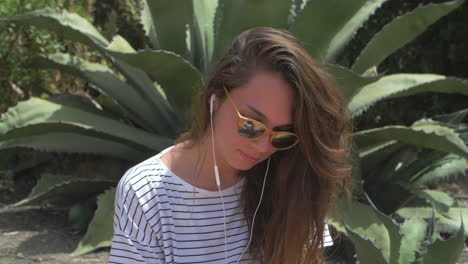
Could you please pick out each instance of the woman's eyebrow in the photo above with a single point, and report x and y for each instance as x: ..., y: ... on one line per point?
x: 264, y: 118
x: 258, y: 112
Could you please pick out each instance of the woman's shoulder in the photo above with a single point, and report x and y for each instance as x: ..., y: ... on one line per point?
x: 148, y: 175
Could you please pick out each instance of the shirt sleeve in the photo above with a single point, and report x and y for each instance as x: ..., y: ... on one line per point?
x: 134, y: 240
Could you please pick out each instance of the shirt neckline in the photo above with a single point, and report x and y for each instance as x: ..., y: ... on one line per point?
x: 234, y: 189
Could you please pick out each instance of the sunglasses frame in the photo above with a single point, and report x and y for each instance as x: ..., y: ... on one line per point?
x: 272, y: 133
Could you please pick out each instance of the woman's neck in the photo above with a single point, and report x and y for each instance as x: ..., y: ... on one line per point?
x: 193, y: 162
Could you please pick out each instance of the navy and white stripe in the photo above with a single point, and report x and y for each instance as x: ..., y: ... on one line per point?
x: 159, y: 218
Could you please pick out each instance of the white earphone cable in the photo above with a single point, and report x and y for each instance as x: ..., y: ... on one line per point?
x: 218, y: 181
x: 256, y: 210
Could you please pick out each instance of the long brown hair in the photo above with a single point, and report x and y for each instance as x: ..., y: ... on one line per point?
x: 302, y: 188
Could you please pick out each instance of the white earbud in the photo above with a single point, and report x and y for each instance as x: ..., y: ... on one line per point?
x: 212, y: 99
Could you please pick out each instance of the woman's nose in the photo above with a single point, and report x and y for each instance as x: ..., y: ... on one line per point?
x: 263, y: 144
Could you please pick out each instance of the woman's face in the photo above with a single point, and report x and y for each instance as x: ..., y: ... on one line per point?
x: 267, y: 98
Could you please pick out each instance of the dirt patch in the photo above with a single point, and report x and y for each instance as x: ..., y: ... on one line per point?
x: 40, y: 235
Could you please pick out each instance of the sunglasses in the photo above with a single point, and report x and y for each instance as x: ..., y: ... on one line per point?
x: 252, y: 130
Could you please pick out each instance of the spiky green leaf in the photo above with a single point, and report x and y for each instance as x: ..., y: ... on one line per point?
x: 36, y: 111
x: 446, y: 251
x: 74, y: 143
x: 440, y: 200
x: 73, y: 138
x: 383, y: 173
x: 431, y: 165
x: 426, y: 134
x: 233, y: 17
x: 63, y: 190
x: 325, y: 29
x: 413, y: 232
x: 162, y: 66
x: 171, y: 20
x: 152, y: 117
x: 367, y: 252
x: 149, y: 26
x: 444, y: 167
x: 394, y: 235
x: 349, y: 82
x: 78, y: 29
x: 144, y: 86
x: 401, y: 31
x: 45, y: 126
x: 401, y: 85
x: 452, y: 118
x: 371, y: 158
x: 203, y: 34
x: 371, y: 225
x: 119, y: 44
x: 451, y: 220
x: 48, y: 180
x: 83, y: 102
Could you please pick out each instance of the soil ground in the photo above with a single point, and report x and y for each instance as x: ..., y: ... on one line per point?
x: 34, y: 234
x: 40, y: 235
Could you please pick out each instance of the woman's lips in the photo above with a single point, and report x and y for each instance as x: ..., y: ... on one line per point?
x: 248, y: 158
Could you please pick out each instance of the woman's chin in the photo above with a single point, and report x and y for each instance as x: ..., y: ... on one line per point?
x: 242, y: 166
x: 245, y: 163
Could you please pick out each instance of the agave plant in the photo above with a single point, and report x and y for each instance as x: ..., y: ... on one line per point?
x: 146, y: 96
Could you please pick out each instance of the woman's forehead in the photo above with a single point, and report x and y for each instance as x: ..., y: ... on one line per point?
x: 269, y: 94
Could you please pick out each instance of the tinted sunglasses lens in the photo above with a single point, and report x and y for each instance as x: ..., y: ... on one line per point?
x: 250, y: 129
x: 283, y: 141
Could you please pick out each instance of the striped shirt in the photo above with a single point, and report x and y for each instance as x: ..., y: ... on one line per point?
x: 160, y: 218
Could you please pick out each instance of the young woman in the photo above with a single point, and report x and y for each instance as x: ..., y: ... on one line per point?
x: 254, y: 178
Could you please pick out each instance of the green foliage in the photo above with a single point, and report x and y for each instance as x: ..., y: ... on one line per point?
x: 275, y: 14
x: 146, y: 94
x: 63, y: 190
x: 379, y: 239
x: 81, y: 214
x: 407, y: 27
x: 369, y: 225
x: 332, y: 37
x: 437, y: 251
x: 423, y: 133
x: 100, y: 231
x: 402, y: 85
x: 20, y: 43
x: 48, y: 126
x: 450, y: 220
x: 413, y: 231
x: 398, y: 171
x: 439, y: 49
